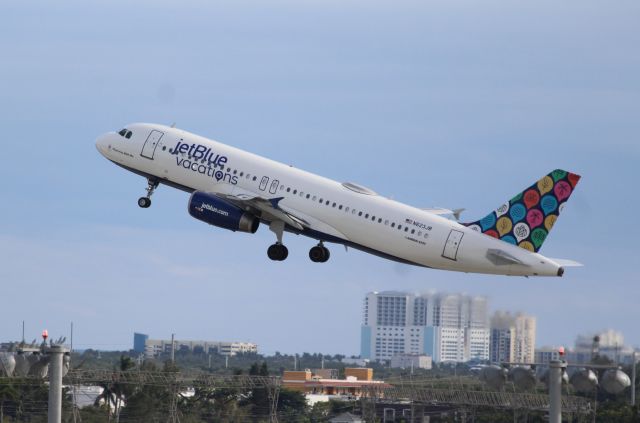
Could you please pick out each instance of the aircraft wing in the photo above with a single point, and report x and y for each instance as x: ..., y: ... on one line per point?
x: 268, y: 207
x: 271, y: 210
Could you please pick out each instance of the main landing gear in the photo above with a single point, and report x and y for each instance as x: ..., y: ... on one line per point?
x: 319, y: 253
x: 145, y: 202
x: 277, y: 251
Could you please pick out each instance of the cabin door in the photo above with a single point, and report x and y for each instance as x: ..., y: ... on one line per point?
x: 452, y: 244
x: 149, y: 147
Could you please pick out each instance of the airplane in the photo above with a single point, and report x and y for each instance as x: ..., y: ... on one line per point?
x: 237, y: 190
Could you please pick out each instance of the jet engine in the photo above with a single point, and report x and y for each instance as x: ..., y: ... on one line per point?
x: 215, y: 211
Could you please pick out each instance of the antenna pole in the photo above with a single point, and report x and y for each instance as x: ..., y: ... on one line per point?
x: 173, y: 348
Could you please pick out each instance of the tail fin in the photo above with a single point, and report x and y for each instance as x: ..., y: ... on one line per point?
x: 527, y: 218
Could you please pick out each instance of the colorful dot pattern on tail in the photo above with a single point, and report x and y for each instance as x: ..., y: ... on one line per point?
x: 527, y: 218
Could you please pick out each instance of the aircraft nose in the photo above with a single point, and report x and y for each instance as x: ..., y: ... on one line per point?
x: 102, y: 143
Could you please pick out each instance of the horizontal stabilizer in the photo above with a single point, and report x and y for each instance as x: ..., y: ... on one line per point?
x: 567, y: 262
x: 501, y: 258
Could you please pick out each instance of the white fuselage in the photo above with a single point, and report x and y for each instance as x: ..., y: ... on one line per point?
x: 333, y: 212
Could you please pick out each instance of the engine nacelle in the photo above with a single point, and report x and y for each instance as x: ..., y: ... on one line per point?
x: 215, y: 211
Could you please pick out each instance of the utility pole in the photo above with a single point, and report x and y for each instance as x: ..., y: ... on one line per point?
x: 23, y: 332
x: 556, y: 368
x: 633, y: 380
x: 71, y: 347
x: 226, y: 361
x: 56, y: 352
x: 173, y: 348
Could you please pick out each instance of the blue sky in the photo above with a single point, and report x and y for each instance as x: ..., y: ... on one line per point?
x: 435, y: 103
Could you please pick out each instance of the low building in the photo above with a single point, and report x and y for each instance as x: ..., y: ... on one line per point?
x: 411, y: 361
x: 356, y: 361
x: 156, y: 347
x: 326, y: 373
x: 356, y: 381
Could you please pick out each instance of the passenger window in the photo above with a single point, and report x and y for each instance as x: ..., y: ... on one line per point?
x: 320, y: 201
x: 334, y: 204
x: 309, y: 195
x: 340, y: 207
x: 379, y: 220
x: 314, y: 198
x: 255, y: 178
x: 393, y: 224
x: 241, y: 173
x: 235, y: 171
x: 288, y: 189
x: 359, y: 213
x: 295, y: 191
x: 353, y: 211
x: 419, y: 233
x: 346, y: 209
x: 413, y: 231
x: 406, y: 229
x: 366, y: 216
x: 399, y: 227
x: 373, y: 218
x: 281, y: 187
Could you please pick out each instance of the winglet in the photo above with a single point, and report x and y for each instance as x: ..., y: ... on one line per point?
x: 457, y: 212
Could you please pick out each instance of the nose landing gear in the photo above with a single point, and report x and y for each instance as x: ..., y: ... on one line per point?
x: 145, y: 202
x: 319, y: 253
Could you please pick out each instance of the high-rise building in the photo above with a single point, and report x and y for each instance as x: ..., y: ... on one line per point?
x: 139, y: 340
x: 513, y: 338
x: 447, y: 327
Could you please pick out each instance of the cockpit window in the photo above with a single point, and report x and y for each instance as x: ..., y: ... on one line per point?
x: 124, y: 132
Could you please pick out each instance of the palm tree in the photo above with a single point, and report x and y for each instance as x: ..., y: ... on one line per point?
x: 7, y: 393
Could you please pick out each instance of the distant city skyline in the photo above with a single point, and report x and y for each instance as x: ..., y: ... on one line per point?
x: 435, y: 104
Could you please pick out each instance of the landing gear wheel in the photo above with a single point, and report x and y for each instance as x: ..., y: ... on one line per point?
x: 319, y: 254
x: 277, y: 252
x: 144, y: 202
